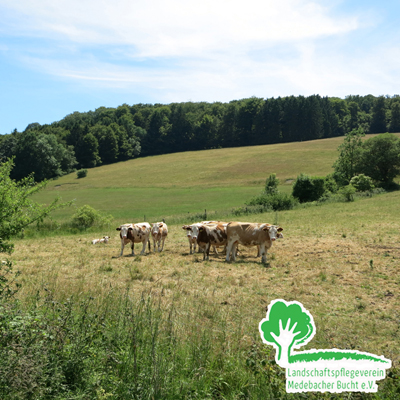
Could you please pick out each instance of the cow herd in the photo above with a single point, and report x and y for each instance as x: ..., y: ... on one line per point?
x: 204, y: 235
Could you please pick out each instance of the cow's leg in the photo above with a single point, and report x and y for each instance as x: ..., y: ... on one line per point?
x: 163, y: 240
x: 122, y: 247
x: 263, y: 252
x: 133, y: 248
x: 206, y: 252
x: 144, y: 246
x: 154, y: 245
x: 190, y: 246
x: 234, y: 250
x: 228, y: 250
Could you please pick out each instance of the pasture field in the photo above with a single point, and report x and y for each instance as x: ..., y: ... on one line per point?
x: 89, y: 324
x: 190, y: 182
x: 341, y: 260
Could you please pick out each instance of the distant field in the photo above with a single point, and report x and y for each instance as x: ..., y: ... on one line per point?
x: 177, y: 184
x: 220, y: 179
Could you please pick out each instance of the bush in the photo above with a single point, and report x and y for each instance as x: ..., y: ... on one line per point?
x: 86, y: 216
x: 307, y: 188
x: 271, y: 184
x: 330, y: 184
x: 275, y: 202
x: 82, y: 173
x: 362, y: 183
x: 348, y: 192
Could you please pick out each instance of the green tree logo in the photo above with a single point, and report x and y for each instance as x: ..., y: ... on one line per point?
x: 288, y: 325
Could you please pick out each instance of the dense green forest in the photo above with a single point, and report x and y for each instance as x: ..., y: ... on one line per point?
x: 109, y: 135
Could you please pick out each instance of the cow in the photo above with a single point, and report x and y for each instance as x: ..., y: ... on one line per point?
x: 134, y: 233
x: 251, y: 234
x: 104, y: 239
x: 159, y: 232
x: 192, y: 232
x: 211, y: 235
x: 278, y: 236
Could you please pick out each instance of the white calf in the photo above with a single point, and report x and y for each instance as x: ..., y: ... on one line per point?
x: 159, y: 232
x: 104, y: 239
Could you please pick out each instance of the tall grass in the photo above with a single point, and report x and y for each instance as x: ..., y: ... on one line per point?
x: 127, y: 346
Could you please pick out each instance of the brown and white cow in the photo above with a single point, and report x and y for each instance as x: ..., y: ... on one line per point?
x: 211, y: 235
x: 104, y: 239
x: 159, y: 232
x: 192, y: 231
x: 134, y: 233
x: 278, y: 236
x: 251, y: 234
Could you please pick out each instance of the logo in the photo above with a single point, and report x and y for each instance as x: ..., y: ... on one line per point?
x: 289, y: 326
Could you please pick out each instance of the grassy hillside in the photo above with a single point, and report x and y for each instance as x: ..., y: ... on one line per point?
x: 161, y: 186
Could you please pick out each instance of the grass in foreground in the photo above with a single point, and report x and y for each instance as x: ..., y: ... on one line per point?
x: 90, y: 324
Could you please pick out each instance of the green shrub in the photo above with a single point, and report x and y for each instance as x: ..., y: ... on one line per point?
x: 362, y: 183
x: 86, y: 216
x: 330, y: 184
x: 348, y: 192
x: 271, y: 184
x: 307, y: 188
x: 276, y: 202
x: 82, y: 173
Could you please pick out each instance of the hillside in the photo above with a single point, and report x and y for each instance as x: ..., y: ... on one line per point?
x: 165, y: 185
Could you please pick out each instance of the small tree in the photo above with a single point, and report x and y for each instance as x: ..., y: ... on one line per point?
x: 17, y: 211
x: 347, y: 165
x: 380, y: 158
x: 271, y: 184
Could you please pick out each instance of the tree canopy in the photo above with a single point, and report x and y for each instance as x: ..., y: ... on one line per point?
x: 377, y: 157
x: 108, y: 135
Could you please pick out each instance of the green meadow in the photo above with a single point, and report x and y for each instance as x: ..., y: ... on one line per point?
x: 177, y: 184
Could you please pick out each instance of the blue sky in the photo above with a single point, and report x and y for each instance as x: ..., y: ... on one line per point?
x: 61, y: 56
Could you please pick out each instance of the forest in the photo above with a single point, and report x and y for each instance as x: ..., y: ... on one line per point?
x: 109, y: 135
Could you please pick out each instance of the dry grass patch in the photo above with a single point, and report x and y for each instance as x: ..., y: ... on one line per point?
x: 350, y: 285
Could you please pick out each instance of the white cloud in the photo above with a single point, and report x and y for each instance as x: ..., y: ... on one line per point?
x: 208, y: 50
x: 174, y: 28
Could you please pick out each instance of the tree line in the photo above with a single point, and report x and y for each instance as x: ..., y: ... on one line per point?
x: 109, y: 135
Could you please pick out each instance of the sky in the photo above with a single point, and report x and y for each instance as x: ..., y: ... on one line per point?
x: 62, y: 56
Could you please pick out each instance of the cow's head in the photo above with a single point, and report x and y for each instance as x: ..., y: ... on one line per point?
x: 192, y: 231
x: 155, y: 229
x: 274, y: 231
x: 124, y: 230
x: 106, y: 239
